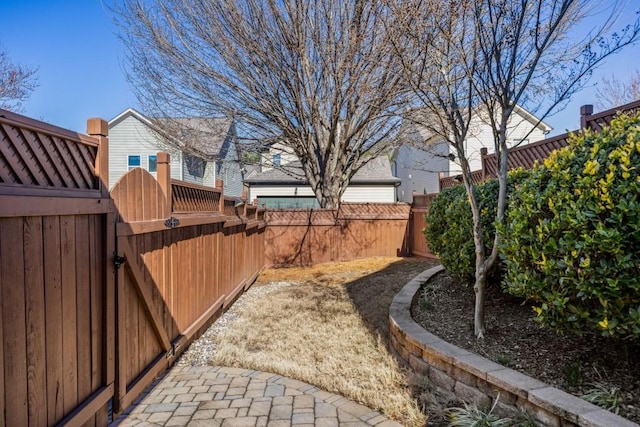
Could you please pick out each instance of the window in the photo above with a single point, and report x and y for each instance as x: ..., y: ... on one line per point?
x: 275, y: 159
x: 134, y: 162
x: 153, y: 163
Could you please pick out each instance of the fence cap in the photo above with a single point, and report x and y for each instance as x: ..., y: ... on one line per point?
x: 97, y: 126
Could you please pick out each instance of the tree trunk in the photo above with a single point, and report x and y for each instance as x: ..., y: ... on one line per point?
x: 478, y: 316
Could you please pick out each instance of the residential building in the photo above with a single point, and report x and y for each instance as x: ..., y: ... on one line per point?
x: 422, y: 159
x: 134, y: 141
x: 286, y: 186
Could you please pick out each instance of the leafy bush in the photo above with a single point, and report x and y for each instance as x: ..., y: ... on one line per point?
x: 449, y: 230
x: 571, y: 238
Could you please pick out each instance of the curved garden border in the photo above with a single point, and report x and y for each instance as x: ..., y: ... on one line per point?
x: 466, y: 376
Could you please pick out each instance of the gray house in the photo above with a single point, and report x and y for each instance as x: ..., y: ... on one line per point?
x: 134, y: 141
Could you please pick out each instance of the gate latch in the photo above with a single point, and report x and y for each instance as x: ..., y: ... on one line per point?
x: 118, y: 260
x: 172, y: 222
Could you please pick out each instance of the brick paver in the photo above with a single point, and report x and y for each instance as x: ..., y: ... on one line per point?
x: 217, y: 396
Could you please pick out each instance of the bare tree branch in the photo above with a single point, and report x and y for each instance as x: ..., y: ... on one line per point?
x: 16, y: 83
x: 318, y: 77
x: 485, y: 57
x: 612, y: 91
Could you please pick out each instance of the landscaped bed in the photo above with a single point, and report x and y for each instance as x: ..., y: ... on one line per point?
x: 578, y: 365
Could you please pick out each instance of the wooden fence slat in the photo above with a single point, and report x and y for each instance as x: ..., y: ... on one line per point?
x: 35, y: 309
x: 13, y: 319
x: 83, y: 299
x: 53, y: 303
x: 2, y: 381
x: 69, y: 307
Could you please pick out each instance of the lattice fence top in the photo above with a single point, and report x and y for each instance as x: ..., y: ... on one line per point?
x: 188, y: 197
x: 35, y: 154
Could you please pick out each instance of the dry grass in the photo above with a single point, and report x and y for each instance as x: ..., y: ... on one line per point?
x: 329, y: 329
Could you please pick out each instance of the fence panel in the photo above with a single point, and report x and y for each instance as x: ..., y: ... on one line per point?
x: 305, y: 237
x: 56, y: 362
x: 419, y: 210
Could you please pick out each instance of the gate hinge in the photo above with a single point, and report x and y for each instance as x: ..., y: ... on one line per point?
x: 118, y: 260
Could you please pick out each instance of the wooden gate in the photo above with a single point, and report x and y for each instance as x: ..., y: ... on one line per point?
x: 185, y: 252
x: 56, y: 286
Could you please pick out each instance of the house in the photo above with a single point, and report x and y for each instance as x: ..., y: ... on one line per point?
x: 422, y: 159
x: 134, y: 141
x: 285, y: 186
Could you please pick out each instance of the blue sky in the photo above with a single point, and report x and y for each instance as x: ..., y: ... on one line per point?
x: 79, y: 60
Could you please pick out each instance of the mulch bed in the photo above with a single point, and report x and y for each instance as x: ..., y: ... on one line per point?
x: 445, y: 308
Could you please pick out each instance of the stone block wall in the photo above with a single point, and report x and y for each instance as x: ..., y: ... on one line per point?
x: 468, y: 377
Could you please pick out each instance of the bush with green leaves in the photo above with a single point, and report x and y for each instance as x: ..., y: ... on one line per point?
x: 449, y: 230
x: 571, y: 239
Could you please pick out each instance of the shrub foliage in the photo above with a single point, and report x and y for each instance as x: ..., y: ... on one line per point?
x: 571, y: 239
x: 449, y: 230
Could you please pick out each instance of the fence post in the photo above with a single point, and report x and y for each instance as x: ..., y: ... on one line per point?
x: 164, y: 180
x: 220, y: 185
x: 585, y: 112
x: 99, y: 129
x: 483, y: 154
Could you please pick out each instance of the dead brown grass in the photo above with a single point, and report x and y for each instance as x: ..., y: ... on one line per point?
x: 330, y: 329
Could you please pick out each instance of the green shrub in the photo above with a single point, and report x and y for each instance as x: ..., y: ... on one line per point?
x: 449, y: 230
x: 571, y: 239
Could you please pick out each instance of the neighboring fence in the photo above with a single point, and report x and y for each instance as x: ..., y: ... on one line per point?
x: 526, y: 155
x: 73, y: 336
x: 476, y: 177
x: 418, y: 223
x: 305, y: 237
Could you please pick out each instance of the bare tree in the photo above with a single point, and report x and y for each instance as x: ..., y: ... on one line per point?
x: 485, y: 57
x: 317, y: 76
x: 612, y: 92
x: 16, y: 83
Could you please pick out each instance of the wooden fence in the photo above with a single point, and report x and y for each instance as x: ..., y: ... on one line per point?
x: 418, y: 223
x: 526, y: 155
x: 99, y: 292
x: 305, y: 237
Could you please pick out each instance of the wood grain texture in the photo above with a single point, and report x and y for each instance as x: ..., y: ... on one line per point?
x: 35, y: 321
x: 13, y: 320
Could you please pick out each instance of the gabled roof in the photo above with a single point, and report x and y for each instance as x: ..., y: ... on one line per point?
x: 205, y: 136
x: 375, y: 171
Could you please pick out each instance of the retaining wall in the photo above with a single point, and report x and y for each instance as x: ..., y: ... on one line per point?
x: 465, y: 376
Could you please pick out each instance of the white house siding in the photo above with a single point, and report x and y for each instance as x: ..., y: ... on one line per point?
x: 482, y: 136
x: 286, y: 156
x: 132, y: 137
x: 419, y: 169
x: 353, y: 193
x: 370, y: 194
x: 256, y: 191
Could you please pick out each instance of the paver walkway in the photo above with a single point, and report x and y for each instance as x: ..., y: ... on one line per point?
x: 217, y: 396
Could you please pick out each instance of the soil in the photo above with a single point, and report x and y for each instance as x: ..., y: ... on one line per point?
x: 573, y: 363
